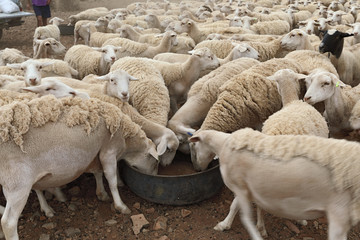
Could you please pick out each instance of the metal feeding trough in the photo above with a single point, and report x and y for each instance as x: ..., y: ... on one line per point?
x: 66, y: 30
x: 174, y: 189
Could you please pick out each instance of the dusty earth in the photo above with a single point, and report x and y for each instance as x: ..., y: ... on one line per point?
x: 83, y: 216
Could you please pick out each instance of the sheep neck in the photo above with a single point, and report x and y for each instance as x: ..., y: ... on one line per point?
x: 191, y: 70
x: 336, y: 109
x: 134, y: 35
x: 195, y: 33
x: 104, y: 67
x: 215, y: 140
x: 288, y: 95
x: 164, y: 46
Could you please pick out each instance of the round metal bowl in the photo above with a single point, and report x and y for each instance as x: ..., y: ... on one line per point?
x: 66, y: 30
x: 173, y: 189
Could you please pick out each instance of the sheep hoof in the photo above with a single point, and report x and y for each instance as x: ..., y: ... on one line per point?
x: 125, y: 211
x: 103, y: 197
x: 221, y: 226
x: 49, y: 213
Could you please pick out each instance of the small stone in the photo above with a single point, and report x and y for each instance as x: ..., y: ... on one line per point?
x: 49, y: 226
x: 316, y: 224
x: 136, y: 205
x: 74, y: 191
x: 70, y: 232
x: 185, y: 212
x: 110, y: 222
x: 170, y: 230
x: 67, y: 220
x: 44, y: 237
x: 164, y: 238
x: 292, y: 227
x: 150, y: 210
x: 160, y: 223
x: 308, y: 238
x: 144, y: 230
x: 139, y: 221
x: 42, y: 218
x: 72, y: 207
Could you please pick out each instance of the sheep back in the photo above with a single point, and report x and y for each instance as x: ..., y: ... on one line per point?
x: 128, y: 47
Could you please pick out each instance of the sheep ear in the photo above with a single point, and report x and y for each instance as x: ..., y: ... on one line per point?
x: 14, y: 65
x: 47, y: 43
x: 271, y: 78
x: 47, y: 64
x: 153, y: 153
x: 161, y: 148
x: 104, y: 78
x: 97, y: 49
x: 34, y: 89
x: 194, y: 139
x: 133, y: 78
x: 241, y: 48
x: 191, y: 52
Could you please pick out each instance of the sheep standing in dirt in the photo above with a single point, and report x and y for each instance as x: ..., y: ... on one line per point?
x: 48, y: 48
x: 89, y: 14
x: 87, y: 60
x: 56, y: 130
x: 254, y: 166
x: 49, y: 31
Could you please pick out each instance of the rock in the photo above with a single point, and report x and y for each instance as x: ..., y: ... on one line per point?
x: 74, y: 191
x: 110, y: 222
x: 160, y: 223
x: 49, y: 226
x: 164, y: 238
x: 292, y: 227
x: 185, y: 212
x: 308, y: 238
x: 72, y: 207
x: 42, y: 218
x: 70, y: 232
x: 316, y: 224
x: 150, y: 210
x: 44, y: 237
x: 136, y: 205
x: 67, y: 220
x: 139, y: 221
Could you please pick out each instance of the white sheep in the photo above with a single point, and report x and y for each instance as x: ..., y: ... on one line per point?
x: 297, y: 39
x: 82, y: 30
x: 49, y: 31
x: 341, y: 17
x: 339, y: 98
x: 274, y: 27
x: 165, y: 140
x: 87, y: 60
x: 179, y: 77
x: 254, y: 166
x: 135, y: 49
x: 89, y: 14
x: 48, y: 47
x: 356, y: 30
x: 11, y: 55
x: 107, y: 139
x: 202, y: 95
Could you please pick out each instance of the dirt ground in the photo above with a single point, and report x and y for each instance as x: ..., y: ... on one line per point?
x: 83, y: 216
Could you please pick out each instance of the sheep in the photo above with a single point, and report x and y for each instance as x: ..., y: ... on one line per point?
x: 82, y: 30
x: 31, y: 69
x: 296, y: 117
x: 154, y: 22
x: 202, y: 95
x: 341, y: 17
x: 95, y: 61
x: 275, y: 27
x: 97, y: 39
x: 345, y: 60
x: 89, y: 14
x: 48, y: 47
x: 327, y: 165
x: 49, y: 31
x: 356, y: 30
x: 109, y: 130
x: 11, y: 55
x: 323, y: 25
x: 297, y: 39
x: 179, y: 77
x: 355, y: 117
x: 135, y: 49
x: 165, y: 139
x: 339, y: 99
x: 266, y: 50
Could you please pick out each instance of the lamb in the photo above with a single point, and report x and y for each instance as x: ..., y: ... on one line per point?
x: 246, y: 100
x: 345, y: 60
x: 297, y: 39
x: 356, y: 30
x: 326, y: 164
x: 11, y: 55
x: 135, y: 49
x: 89, y: 14
x: 339, y: 98
x: 95, y: 61
x: 165, y: 140
x: 48, y: 47
x: 49, y: 31
x: 296, y: 117
x: 82, y: 30
x: 202, y: 95
x: 179, y: 77
x: 275, y: 27
x: 341, y: 17
x: 109, y: 130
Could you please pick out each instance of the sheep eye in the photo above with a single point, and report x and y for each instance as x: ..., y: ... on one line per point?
x: 48, y: 89
x: 248, y: 49
x: 22, y: 69
x: 300, y: 34
x: 40, y: 67
x: 325, y: 83
x: 104, y: 51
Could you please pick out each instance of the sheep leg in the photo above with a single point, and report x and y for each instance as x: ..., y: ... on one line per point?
x: 226, y: 223
x: 260, y: 224
x: 109, y: 162
x: 44, y: 206
x: 242, y: 197
x: 59, y: 195
x: 100, y: 189
x: 339, y: 222
x: 15, y: 203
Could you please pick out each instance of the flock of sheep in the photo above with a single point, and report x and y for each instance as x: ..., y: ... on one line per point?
x: 240, y: 80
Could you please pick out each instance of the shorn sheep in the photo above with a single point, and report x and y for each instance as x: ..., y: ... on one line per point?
x: 48, y: 47
x: 11, y: 55
x: 49, y: 31
x: 87, y: 60
x: 254, y: 165
x: 101, y: 129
